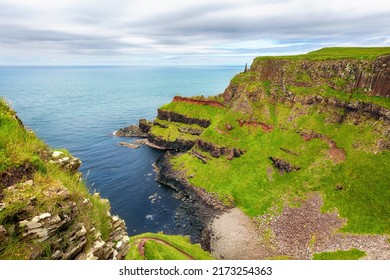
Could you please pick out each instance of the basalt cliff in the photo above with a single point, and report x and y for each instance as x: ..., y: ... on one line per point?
x: 46, y: 211
x: 299, y: 145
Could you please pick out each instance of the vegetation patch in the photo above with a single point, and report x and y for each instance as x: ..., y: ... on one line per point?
x: 352, y: 254
x: 35, y: 186
x: 157, y: 246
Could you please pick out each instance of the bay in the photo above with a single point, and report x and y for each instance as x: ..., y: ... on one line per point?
x: 78, y: 108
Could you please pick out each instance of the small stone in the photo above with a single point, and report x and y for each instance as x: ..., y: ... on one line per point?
x: 57, y: 255
x: 57, y: 154
x: 3, y: 233
x: 115, y: 218
x: 228, y: 126
x: 119, y: 244
x: 33, y: 225
x: 2, y: 206
x: 44, y: 216
x: 82, y: 231
x: 23, y: 223
x: 86, y: 201
x: 28, y: 183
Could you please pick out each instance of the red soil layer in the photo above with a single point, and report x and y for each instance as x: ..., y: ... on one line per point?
x: 197, y: 101
x: 336, y: 154
x: 264, y: 126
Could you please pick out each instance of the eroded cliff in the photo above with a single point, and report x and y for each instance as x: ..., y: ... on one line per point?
x: 46, y: 211
x: 285, y: 133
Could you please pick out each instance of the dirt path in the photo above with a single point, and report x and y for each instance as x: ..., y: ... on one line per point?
x: 296, y: 232
x: 142, y: 241
x: 234, y: 237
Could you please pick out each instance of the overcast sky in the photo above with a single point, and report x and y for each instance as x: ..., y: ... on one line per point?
x: 167, y: 32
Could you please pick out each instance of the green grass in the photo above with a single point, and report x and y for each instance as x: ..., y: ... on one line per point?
x: 335, y: 53
x: 172, y: 132
x: 155, y: 250
x: 193, y: 110
x: 352, y: 254
x: 247, y: 182
x: 17, y: 147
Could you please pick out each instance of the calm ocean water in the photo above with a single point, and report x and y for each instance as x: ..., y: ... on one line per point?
x: 78, y: 108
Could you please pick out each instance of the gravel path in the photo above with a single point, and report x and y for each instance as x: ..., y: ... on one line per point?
x: 234, y: 237
x: 297, y: 233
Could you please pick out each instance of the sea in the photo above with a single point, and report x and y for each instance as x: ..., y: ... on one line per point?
x: 79, y: 108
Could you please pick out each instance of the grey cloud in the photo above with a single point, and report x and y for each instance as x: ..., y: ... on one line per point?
x: 210, y: 27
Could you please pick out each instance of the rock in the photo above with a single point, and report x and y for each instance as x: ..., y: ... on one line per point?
x: 176, y: 117
x: 119, y: 244
x: 189, y: 130
x: 74, y: 249
x: 144, y: 125
x: 228, y: 126
x: 130, y: 131
x: 130, y: 145
x: 230, y: 155
x: 67, y: 163
x: 33, y: 225
x: 3, y: 233
x: 115, y: 218
x: 57, y: 154
x: 283, y: 166
x: 82, y: 231
x: 28, y: 183
x: 177, y: 145
x: 57, y: 255
x: 44, y: 216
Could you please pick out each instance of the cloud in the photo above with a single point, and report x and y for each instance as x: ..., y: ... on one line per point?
x: 91, y: 31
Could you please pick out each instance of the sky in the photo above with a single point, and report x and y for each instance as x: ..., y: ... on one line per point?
x: 168, y: 32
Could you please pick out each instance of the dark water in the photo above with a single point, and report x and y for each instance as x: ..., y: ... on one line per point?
x: 78, y: 108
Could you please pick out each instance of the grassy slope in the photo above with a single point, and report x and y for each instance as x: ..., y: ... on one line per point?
x: 17, y: 147
x: 363, y: 175
x: 157, y: 251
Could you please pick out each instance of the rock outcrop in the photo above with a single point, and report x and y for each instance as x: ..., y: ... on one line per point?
x: 216, y: 151
x: 176, y: 117
x: 201, y: 206
x: 66, y: 162
x: 178, y: 144
x: 281, y: 76
x: 372, y: 76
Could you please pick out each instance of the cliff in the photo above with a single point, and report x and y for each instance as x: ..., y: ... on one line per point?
x: 293, y: 138
x: 46, y: 211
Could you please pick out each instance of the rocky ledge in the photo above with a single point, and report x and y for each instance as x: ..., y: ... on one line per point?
x: 200, y: 206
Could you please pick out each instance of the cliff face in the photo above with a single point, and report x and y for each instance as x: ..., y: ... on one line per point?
x: 350, y: 84
x: 46, y: 211
x: 371, y: 76
x: 290, y: 129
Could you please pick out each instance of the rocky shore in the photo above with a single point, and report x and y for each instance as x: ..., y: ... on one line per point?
x: 198, y: 206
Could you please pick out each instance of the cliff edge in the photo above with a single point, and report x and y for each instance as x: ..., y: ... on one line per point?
x: 46, y: 211
x: 300, y: 144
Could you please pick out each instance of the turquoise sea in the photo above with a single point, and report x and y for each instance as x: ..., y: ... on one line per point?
x: 78, y: 108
